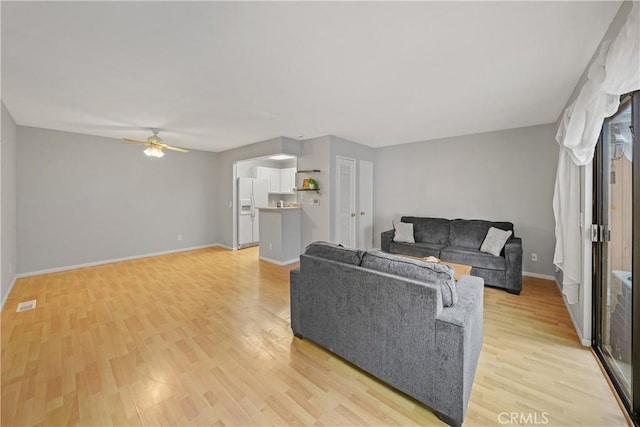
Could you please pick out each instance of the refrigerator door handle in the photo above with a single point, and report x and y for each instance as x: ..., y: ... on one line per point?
x: 253, y: 206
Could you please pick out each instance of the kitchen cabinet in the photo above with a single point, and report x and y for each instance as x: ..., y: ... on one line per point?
x: 281, y: 181
x: 263, y: 173
x: 287, y: 180
x: 274, y: 180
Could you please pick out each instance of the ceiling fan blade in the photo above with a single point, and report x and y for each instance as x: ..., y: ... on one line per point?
x: 134, y: 141
x: 169, y: 147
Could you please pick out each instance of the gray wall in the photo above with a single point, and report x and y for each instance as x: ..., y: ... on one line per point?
x: 84, y: 199
x: 8, y: 251
x: 315, y: 219
x: 504, y: 175
x: 224, y: 178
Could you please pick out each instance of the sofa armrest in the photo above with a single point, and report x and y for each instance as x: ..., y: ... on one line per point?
x: 459, y: 333
x: 386, y: 237
x: 513, y: 257
x: 294, y: 295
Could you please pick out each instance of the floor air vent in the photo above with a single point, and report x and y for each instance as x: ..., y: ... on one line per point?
x: 26, y: 305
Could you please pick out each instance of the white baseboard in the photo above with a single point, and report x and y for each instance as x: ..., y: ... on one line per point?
x: 539, y: 276
x: 4, y: 299
x: 273, y: 261
x: 229, y: 248
x: 110, y: 261
x: 585, y: 342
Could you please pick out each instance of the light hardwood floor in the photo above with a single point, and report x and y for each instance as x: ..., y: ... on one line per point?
x: 203, y: 338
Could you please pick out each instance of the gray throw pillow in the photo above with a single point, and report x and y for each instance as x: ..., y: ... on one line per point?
x: 495, y: 241
x: 403, y: 232
x: 429, y: 272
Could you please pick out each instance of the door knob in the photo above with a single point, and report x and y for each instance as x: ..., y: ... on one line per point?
x: 353, y: 214
x: 362, y: 213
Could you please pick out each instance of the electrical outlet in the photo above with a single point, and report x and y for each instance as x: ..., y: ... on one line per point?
x: 270, y: 246
x: 179, y: 236
x: 534, y: 257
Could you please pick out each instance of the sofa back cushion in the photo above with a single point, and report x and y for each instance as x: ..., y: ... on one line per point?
x: 334, y: 252
x: 438, y: 274
x: 429, y: 230
x: 470, y: 233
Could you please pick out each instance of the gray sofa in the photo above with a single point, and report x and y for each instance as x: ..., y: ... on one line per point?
x: 394, y: 326
x: 459, y: 241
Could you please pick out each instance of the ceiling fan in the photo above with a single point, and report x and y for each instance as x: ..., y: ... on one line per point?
x: 155, y: 145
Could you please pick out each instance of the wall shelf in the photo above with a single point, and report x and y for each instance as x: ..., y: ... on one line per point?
x: 304, y: 188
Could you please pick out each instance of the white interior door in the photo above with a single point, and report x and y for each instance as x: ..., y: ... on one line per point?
x: 365, y: 205
x: 345, y: 202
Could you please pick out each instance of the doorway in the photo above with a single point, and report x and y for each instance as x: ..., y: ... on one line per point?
x: 345, y: 202
x: 354, y: 203
x: 365, y: 205
x: 616, y: 233
x: 260, y: 182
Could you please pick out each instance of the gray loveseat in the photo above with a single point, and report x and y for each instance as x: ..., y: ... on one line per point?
x: 459, y: 241
x: 395, y: 327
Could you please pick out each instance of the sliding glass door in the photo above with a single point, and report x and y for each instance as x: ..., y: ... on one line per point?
x: 615, y: 236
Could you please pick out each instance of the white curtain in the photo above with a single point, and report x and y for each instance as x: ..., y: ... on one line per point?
x: 615, y: 71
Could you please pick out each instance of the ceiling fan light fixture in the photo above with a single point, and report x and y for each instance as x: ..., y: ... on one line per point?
x: 155, y: 145
x: 282, y: 157
x: 154, y: 152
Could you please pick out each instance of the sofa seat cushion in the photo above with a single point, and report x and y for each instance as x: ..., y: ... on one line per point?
x: 416, y: 249
x: 429, y: 230
x: 334, y: 252
x: 472, y: 257
x: 437, y: 274
x: 470, y: 233
x: 497, y: 278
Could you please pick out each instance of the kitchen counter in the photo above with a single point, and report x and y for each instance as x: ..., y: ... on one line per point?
x: 274, y: 209
x: 280, y: 234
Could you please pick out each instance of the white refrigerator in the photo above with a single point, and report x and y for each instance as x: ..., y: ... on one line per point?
x: 252, y: 193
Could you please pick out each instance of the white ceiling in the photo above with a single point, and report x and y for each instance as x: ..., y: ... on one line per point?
x: 218, y: 75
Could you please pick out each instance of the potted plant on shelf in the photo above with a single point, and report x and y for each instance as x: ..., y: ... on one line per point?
x: 313, y: 185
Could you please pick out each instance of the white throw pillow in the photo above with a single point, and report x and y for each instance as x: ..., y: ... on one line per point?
x: 404, y: 232
x: 494, y: 241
